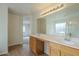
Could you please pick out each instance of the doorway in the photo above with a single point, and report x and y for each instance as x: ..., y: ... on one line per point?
x: 26, y: 30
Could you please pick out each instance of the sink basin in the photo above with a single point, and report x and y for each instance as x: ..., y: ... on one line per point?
x: 37, y: 34
x: 68, y: 42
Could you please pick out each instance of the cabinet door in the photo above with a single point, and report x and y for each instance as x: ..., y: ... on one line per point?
x: 54, y: 52
x: 32, y: 43
x: 68, y: 51
x: 53, y: 49
x: 40, y: 46
x: 65, y: 53
x: 36, y: 45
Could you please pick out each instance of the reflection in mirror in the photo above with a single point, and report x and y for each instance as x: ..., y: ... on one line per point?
x: 64, y: 23
x: 73, y: 27
x: 60, y: 28
x: 51, y: 26
x: 41, y: 26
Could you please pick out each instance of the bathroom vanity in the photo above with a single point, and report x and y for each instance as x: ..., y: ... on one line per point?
x: 60, y: 30
x: 56, y: 47
x: 62, y: 50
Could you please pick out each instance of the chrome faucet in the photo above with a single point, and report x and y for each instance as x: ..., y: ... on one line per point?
x: 68, y: 37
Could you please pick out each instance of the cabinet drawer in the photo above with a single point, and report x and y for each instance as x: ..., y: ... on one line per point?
x: 54, y: 45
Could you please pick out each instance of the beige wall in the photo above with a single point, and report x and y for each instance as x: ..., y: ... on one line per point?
x: 3, y: 29
x: 15, y: 33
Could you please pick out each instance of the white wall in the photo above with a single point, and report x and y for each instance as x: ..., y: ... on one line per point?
x: 15, y: 32
x: 3, y: 29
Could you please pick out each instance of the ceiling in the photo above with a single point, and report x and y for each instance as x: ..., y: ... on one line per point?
x: 28, y: 8
x: 20, y: 8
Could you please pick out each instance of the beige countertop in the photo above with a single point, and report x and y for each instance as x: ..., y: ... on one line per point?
x: 74, y: 42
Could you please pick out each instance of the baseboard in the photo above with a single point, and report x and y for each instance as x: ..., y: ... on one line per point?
x: 15, y: 44
x: 3, y: 52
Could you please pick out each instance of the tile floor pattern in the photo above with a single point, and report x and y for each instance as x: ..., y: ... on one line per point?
x: 21, y: 50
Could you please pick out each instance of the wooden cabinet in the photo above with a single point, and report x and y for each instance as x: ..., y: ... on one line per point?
x: 65, y: 53
x: 61, y: 50
x: 36, y: 45
x: 55, y: 52
x: 69, y: 51
x: 32, y: 42
x: 53, y: 49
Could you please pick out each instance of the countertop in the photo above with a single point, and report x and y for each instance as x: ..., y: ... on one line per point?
x: 74, y: 42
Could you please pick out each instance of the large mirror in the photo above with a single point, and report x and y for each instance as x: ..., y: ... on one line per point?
x: 64, y: 22
x: 53, y: 24
x: 73, y: 26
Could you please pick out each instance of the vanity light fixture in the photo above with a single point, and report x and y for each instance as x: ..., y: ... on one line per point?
x: 52, y: 10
